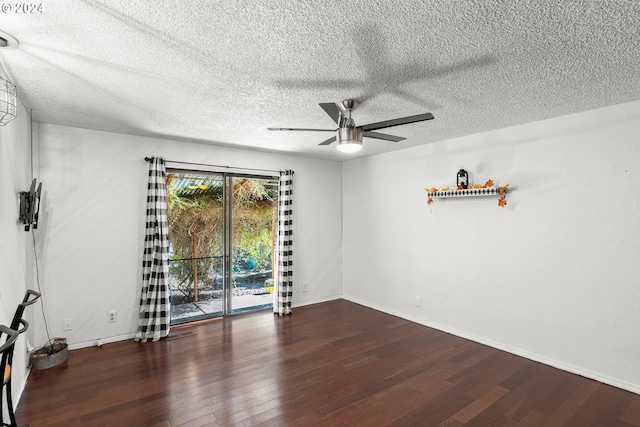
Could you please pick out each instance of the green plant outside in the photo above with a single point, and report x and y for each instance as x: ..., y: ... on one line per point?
x: 196, y: 220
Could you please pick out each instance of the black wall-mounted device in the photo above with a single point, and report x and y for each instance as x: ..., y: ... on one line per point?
x: 30, y: 206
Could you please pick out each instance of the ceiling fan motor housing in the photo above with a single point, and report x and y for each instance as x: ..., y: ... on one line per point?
x: 349, y: 135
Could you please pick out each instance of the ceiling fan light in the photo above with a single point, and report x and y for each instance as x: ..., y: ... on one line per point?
x: 349, y: 139
x: 349, y: 146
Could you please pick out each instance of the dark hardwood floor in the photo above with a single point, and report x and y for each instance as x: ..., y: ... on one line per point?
x: 329, y: 364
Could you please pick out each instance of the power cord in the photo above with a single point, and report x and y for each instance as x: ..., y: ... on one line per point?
x: 35, y: 256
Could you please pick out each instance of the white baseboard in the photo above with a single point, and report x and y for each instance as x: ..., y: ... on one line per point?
x: 634, y: 388
x: 316, y: 301
x: 105, y: 340
x: 16, y: 401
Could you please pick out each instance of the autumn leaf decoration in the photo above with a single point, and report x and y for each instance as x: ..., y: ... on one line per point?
x: 430, y: 199
x: 502, y: 201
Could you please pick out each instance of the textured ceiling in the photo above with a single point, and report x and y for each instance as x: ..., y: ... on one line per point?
x: 221, y: 72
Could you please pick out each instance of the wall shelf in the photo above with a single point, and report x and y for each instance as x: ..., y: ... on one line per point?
x: 468, y: 192
x: 489, y: 189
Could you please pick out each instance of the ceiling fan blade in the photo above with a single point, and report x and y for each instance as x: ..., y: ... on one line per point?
x: 398, y: 122
x: 304, y: 129
x: 333, y: 110
x: 384, y: 136
x: 328, y: 141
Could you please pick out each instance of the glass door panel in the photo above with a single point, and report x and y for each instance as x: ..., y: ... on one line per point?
x: 253, y: 213
x: 222, y: 235
x: 196, y: 257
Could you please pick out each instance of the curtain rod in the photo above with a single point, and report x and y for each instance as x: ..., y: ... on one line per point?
x: 148, y: 159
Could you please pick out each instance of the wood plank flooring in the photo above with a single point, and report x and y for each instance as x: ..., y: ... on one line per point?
x: 330, y: 364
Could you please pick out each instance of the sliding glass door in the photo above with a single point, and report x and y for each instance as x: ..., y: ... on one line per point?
x: 222, y: 236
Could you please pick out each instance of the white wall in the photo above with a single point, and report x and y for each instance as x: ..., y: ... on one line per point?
x: 16, y: 245
x: 93, y: 227
x: 553, y: 276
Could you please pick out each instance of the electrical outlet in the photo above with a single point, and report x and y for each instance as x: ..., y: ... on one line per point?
x: 112, y: 316
x: 418, y: 301
x: 305, y: 287
x: 67, y: 324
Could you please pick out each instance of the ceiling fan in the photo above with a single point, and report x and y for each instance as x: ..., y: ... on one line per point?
x: 348, y: 135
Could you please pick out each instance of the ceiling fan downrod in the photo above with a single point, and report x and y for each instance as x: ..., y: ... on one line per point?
x: 349, y: 136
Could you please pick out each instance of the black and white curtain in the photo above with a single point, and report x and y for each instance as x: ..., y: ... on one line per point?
x: 284, y: 246
x: 155, y: 318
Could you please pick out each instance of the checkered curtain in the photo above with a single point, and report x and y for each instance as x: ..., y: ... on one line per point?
x: 284, y: 243
x: 154, y: 318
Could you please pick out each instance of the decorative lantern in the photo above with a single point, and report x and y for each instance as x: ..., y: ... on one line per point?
x: 462, y: 179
